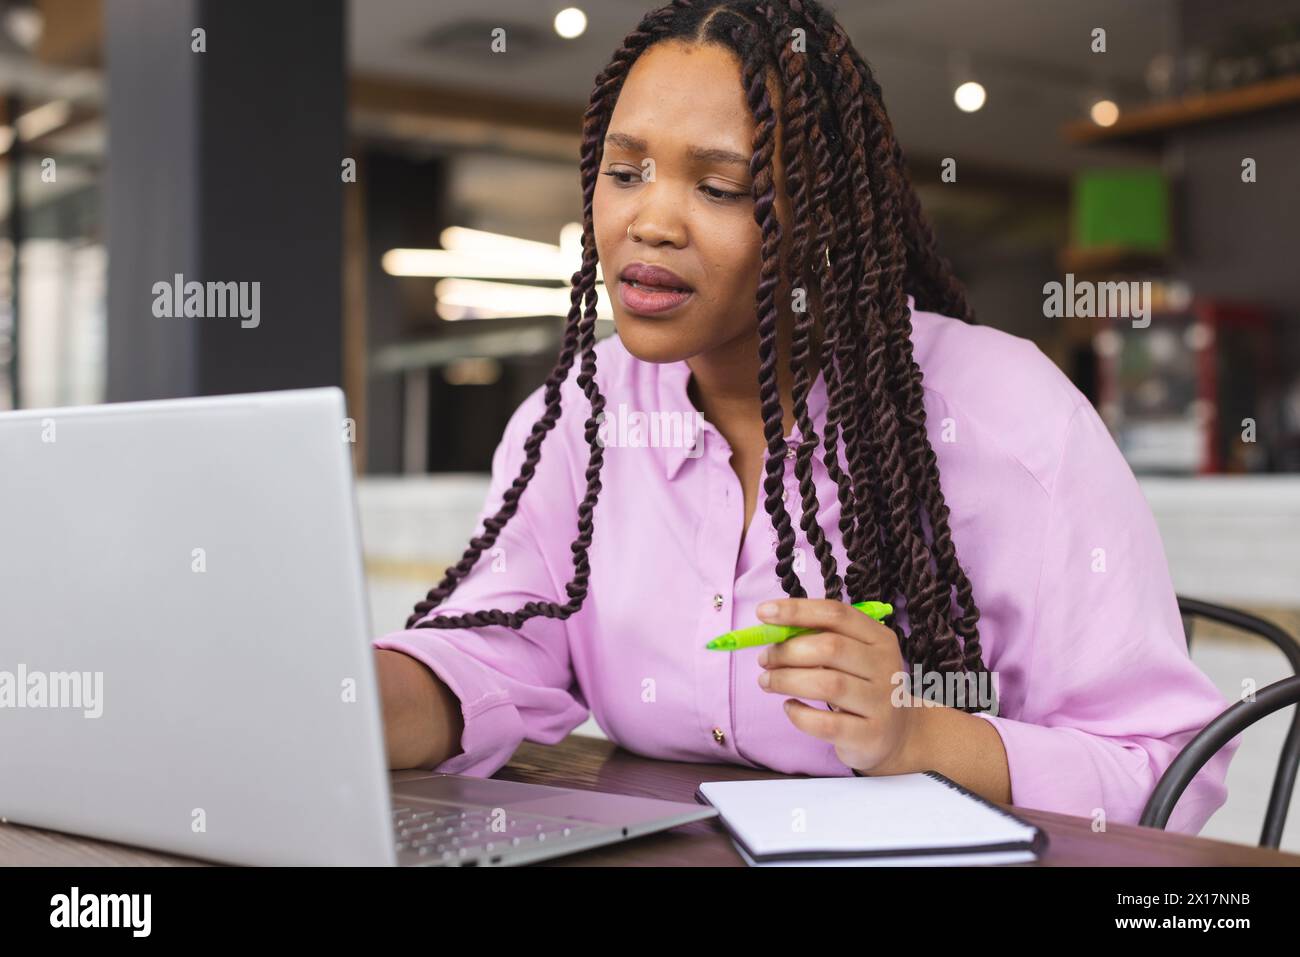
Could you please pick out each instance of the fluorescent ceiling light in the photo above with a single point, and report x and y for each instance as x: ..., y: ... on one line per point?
x: 44, y: 119
x: 443, y: 262
x: 479, y: 254
x: 475, y: 299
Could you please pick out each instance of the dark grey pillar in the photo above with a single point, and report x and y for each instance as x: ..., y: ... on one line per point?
x: 405, y: 207
x: 224, y: 167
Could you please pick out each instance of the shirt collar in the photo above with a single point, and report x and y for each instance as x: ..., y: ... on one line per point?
x: 673, y: 396
x: 673, y: 380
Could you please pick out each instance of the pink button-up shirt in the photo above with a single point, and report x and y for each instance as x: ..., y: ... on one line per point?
x: 1078, y: 615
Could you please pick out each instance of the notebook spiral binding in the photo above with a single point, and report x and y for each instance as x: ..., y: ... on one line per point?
x: 1039, y: 841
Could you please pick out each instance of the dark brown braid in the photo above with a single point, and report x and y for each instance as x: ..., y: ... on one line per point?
x: 795, y: 116
x: 858, y: 243
x: 942, y: 292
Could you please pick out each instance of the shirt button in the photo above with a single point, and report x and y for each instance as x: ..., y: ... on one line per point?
x: 717, y: 602
x: 790, y: 452
x: 718, y: 736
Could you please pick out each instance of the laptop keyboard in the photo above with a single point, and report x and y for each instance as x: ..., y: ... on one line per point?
x: 451, y: 833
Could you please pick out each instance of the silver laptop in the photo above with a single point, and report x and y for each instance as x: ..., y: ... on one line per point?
x: 185, y: 660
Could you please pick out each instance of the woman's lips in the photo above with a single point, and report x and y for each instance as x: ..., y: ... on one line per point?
x: 650, y: 301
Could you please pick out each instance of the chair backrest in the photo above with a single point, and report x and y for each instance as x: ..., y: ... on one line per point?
x: 1233, y: 721
x: 1193, y: 608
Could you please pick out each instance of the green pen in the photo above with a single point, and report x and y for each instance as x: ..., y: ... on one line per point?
x: 771, y: 634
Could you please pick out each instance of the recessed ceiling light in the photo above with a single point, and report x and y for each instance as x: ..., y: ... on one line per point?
x: 969, y: 97
x: 570, y: 22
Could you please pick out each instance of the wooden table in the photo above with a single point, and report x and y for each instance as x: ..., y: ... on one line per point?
x: 596, y: 764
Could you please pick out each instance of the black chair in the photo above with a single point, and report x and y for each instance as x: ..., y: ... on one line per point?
x: 1232, y: 722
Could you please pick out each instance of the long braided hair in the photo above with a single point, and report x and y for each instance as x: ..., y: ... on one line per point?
x: 860, y: 239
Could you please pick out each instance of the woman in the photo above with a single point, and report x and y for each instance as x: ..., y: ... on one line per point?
x: 774, y: 280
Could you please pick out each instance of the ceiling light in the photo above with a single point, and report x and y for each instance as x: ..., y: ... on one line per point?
x: 475, y: 299
x: 969, y: 97
x: 570, y: 22
x: 1104, y: 112
x: 44, y: 119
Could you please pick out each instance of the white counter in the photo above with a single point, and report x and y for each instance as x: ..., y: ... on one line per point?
x: 1233, y: 539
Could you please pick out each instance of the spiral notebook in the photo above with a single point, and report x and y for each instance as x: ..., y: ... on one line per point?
x: 912, y: 819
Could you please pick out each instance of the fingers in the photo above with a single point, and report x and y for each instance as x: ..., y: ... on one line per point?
x: 834, y: 726
x: 822, y: 649
x: 824, y: 615
x: 861, y: 743
x: 844, y: 692
x: 849, y: 662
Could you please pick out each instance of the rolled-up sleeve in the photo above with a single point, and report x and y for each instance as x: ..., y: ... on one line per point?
x: 512, y: 684
x: 1107, y: 695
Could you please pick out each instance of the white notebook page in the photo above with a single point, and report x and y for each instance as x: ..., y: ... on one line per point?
x: 897, y: 812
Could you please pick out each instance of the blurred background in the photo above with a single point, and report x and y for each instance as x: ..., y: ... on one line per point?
x: 408, y: 199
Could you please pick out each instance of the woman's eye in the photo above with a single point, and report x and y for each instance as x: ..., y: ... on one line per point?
x: 722, y: 194
x: 713, y: 192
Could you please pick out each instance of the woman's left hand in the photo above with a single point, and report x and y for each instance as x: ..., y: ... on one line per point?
x: 850, y: 662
